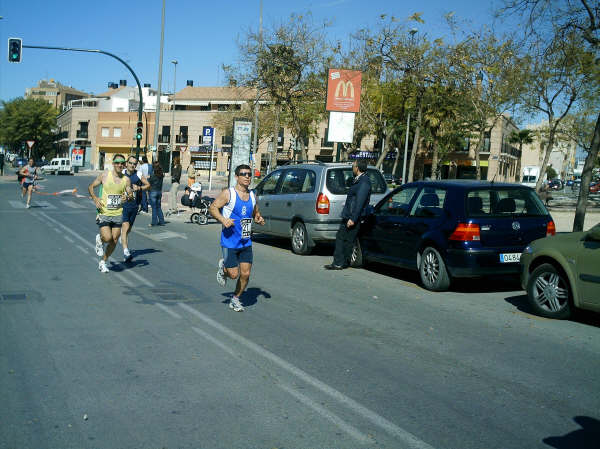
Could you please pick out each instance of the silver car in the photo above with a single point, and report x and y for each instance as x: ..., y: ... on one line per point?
x: 304, y: 201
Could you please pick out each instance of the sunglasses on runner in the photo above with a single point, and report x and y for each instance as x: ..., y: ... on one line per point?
x: 246, y: 173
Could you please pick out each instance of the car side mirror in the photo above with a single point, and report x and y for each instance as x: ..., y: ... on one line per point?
x: 593, y: 234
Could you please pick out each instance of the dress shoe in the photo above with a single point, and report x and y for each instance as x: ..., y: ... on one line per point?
x: 333, y: 267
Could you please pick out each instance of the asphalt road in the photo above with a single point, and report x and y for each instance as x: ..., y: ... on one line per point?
x: 150, y: 356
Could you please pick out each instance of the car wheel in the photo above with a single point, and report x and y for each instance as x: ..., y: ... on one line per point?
x: 548, y: 292
x: 202, y: 219
x: 195, y: 218
x: 300, y: 239
x: 433, y: 271
x: 356, y: 258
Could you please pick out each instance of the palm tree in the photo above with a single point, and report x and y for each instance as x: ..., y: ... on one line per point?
x: 524, y: 136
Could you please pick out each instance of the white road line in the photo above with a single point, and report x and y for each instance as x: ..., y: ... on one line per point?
x: 93, y: 246
x: 17, y: 204
x: 82, y: 249
x: 350, y: 430
x: 409, y: 439
x: 74, y: 205
x: 68, y: 239
x: 123, y: 278
x: 169, y: 311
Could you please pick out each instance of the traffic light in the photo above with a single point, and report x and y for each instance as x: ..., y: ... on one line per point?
x: 15, y: 45
x: 139, y: 130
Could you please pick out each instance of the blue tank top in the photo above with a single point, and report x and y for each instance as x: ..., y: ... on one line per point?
x: 137, y: 181
x: 238, y: 235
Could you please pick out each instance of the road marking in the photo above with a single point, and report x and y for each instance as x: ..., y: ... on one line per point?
x: 17, y: 204
x: 350, y: 430
x: 82, y: 249
x: 161, y: 235
x: 68, y: 239
x: 169, y: 311
x: 93, y: 246
x: 409, y: 439
x: 74, y: 205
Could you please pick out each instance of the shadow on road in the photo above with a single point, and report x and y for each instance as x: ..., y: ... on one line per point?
x: 249, y: 297
x: 587, y: 436
x: 321, y: 249
x: 578, y: 316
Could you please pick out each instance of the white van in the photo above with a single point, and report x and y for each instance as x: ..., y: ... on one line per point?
x: 529, y: 175
x: 59, y: 165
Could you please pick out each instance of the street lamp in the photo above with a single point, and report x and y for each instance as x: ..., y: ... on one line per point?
x: 172, y: 146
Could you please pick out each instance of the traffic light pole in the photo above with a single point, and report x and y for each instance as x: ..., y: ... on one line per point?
x: 141, y: 106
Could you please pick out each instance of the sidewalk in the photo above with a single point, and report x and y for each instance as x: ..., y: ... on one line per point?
x: 563, y: 219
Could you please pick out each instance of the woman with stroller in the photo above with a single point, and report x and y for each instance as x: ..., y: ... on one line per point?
x: 156, y: 184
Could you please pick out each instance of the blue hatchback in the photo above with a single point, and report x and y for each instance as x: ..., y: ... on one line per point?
x: 453, y: 229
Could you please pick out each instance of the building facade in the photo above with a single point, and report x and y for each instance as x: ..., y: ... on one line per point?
x: 55, y: 93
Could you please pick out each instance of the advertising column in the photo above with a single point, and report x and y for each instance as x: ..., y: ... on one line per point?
x: 240, y: 148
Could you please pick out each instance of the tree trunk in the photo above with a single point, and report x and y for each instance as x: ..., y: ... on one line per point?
x: 434, y: 158
x: 415, y: 146
x: 395, y: 167
x: 386, y: 149
x: 478, y: 148
x: 273, y: 155
x: 586, y: 178
x: 538, y: 184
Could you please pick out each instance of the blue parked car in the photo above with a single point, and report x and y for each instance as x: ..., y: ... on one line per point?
x: 453, y: 229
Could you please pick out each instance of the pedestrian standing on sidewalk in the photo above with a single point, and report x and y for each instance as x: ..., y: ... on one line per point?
x: 175, y: 177
x: 356, y: 201
x: 116, y: 189
x: 130, y: 207
x: 1, y: 164
x: 191, y: 174
x: 29, y: 174
x: 146, y: 170
x: 156, y: 185
x: 235, y: 208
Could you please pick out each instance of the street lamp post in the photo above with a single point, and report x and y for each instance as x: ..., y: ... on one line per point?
x: 172, y: 146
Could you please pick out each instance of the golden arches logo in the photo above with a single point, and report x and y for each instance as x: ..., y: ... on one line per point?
x: 345, y: 87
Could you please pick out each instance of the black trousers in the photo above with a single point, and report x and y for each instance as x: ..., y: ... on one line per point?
x: 344, y: 242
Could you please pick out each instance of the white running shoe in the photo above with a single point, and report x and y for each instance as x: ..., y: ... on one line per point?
x: 221, y: 279
x: 236, y: 305
x: 127, y: 255
x: 99, y: 246
x: 27, y: 206
x: 102, y: 266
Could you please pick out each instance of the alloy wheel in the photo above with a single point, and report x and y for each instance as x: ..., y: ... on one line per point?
x: 298, y: 237
x: 550, y: 292
x: 431, y: 267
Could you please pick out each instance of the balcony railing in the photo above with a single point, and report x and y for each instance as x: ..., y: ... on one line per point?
x: 82, y: 134
x: 62, y: 135
x: 164, y: 138
x: 181, y: 139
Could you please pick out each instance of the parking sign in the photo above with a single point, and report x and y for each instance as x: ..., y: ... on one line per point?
x: 207, y: 135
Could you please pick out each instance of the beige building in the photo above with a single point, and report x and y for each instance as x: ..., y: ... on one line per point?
x: 54, y: 93
x: 562, y: 157
x: 76, y: 128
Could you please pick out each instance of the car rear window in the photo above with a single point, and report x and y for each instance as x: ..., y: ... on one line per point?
x: 339, y: 180
x: 499, y: 202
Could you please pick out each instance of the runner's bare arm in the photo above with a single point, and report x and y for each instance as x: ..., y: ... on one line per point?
x: 95, y: 183
x: 128, y: 190
x: 217, y: 204
x: 258, y: 218
x: 145, y: 183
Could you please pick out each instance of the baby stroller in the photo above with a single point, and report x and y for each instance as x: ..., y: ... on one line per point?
x: 193, y: 198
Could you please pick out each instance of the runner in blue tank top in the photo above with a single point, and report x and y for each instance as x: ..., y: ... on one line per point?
x: 235, y: 208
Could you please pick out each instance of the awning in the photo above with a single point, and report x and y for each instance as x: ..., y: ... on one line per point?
x: 191, y: 102
x: 228, y: 102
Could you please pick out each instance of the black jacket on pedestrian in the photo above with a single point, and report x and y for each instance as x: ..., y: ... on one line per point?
x: 358, y: 198
x: 176, y: 173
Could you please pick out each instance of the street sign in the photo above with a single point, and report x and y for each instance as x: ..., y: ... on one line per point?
x: 30, y: 143
x: 208, y: 133
x: 77, y: 157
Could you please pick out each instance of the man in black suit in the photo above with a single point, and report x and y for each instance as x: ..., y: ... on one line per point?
x: 356, y: 201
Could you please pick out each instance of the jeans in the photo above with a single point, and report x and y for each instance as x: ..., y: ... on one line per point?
x: 173, y: 197
x: 144, y: 203
x: 344, y: 242
x: 157, y: 213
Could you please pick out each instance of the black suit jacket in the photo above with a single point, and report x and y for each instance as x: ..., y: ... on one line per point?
x: 358, y: 198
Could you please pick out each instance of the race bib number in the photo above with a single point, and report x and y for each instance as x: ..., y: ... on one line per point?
x: 113, y: 202
x: 246, y: 227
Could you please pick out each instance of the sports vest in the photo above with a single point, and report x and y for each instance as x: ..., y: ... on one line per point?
x: 238, y: 235
x: 112, y: 196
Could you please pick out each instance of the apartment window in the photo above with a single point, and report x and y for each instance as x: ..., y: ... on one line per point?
x: 486, y: 142
x: 183, y: 130
x: 105, y: 132
x: 116, y: 132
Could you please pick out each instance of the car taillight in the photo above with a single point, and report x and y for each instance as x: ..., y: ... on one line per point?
x: 550, y: 229
x: 466, y: 232
x: 322, y: 204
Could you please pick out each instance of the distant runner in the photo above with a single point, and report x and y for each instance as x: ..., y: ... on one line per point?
x: 29, y: 173
x: 116, y: 189
x: 130, y: 207
x: 239, y: 207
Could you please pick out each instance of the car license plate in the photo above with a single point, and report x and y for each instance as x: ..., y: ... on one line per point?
x: 510, y: 257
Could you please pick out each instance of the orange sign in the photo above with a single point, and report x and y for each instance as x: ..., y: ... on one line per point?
x: 343, y: 90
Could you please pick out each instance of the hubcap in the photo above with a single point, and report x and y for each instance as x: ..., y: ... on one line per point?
x: 354, y: 253
x: 550, y: 292
x: 431, y: 267
x: 298, y: 237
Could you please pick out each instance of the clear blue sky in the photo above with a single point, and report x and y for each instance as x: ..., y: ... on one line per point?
x: 201, y: 35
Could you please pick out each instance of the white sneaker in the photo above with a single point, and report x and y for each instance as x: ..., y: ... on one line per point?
x: 27, y: 206
x: 102, y: 266
x: 127, y: 256
x: 221, y: 279
x: 236, y: 305
x: 99, y: 246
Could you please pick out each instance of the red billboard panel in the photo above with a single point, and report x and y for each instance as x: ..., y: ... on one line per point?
x: 343, y: 90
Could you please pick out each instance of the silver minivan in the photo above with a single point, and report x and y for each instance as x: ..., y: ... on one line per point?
x: 304, y: 201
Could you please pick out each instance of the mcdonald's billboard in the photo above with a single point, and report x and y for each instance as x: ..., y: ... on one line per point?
x: 343, y: 90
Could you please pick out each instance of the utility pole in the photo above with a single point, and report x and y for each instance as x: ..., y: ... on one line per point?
x: 172, y: 143
x: 255, y: 137
x: 160, y: 63
x: 405, y: 150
